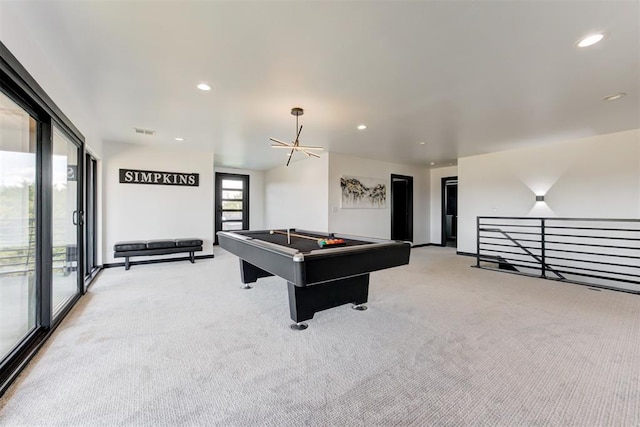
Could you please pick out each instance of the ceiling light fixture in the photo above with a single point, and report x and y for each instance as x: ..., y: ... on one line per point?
x: 615, y: 97
x: 421, y: 142
x: 433, y: 163
x: 204, y: 86
x: 179, y: 139
x: 295, y: 145
x: 362, y: 127
x: 590, y: 40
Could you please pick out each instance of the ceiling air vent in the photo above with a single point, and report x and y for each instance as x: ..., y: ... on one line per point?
x: 145, y: 131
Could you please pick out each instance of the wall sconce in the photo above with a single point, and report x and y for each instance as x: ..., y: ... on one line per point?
x: 539, y: 198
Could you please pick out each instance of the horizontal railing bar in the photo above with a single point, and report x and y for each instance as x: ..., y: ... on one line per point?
x: 590, y: 245
x: 505, y: 257
x: 507, y: 252
x: 594, y: 237
x: 497, y: 230
x: 591, y: 228
x: 511, y: 240
x: 562, y: 219
x: 511, y: 246
x: 528, y: 218
x: 592, y: 253
x: 597, y: 271
x: 520, y: 273
x: 512, y: 225
x: 592, y: 262
x: 17, y: 257
x: 594, y: 276
x: 513, y: 262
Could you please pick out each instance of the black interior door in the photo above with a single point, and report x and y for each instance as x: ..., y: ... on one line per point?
x: 450, y: 211
x: 232, y: 202
x: 401, y: 207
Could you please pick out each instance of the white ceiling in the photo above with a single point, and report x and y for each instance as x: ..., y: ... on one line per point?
x: 465, y: 77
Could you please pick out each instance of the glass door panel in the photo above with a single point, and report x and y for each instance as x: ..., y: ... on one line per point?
x: 232, y: 202
x: 18, y: 132
x: 66, y: 217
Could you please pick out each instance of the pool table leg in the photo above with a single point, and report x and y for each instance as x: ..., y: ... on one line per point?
x: 249, y: 273
x: 305, y: 301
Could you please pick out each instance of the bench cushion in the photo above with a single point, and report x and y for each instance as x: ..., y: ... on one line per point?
x: 188, y: 242
x: 160, y: 244
x: 134, y: 245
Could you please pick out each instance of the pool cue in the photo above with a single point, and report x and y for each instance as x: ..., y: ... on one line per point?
x: 288, y: 236
x: 295, y: 235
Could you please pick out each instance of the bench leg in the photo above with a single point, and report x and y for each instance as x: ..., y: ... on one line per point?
x: 126, y: 263
x: 193, y: 260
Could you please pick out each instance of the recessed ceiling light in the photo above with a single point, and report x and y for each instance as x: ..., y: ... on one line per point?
x: 614, y: 97
x: 433, y: 163
x: 421, y: 142
x: 204, y: 86
x: 590, y: 40
x: 362, y: 127
x: 179, y: 139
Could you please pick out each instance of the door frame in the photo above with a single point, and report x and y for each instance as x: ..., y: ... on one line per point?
x: 443, y: 208
x: 409, y: 205
x: 90, y: 218
x: 219, y: 176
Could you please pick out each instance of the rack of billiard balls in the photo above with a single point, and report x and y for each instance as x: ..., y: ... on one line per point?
x: 323, y: 242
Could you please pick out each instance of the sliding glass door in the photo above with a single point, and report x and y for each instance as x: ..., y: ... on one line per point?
x: 67, y: 220
x: 41, y: 196
x: 18, y: 244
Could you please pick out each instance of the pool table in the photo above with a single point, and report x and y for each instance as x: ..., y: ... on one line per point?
x: 318, y: 278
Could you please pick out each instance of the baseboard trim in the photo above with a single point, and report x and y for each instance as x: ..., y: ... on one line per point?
x: 155, y: 261
x: 422, y: 245
x: 465, y: 253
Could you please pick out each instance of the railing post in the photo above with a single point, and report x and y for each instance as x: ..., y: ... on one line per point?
x: 477, y: 241
x: 543, y: 238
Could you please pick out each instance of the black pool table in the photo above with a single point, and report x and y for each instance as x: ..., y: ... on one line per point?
x: 318, y: 277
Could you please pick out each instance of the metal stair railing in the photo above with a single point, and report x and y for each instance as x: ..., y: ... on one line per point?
x: 602, y: 253
x: 540, y: 259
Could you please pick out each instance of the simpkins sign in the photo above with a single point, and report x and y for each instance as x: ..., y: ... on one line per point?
x: 132, y: 176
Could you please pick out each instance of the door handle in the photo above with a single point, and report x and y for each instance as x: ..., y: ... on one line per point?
x: 78, y: 218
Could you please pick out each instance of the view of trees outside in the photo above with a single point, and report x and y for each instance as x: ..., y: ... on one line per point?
x: 18, y: 242
x: 17, y: 211
x: 17, y: 224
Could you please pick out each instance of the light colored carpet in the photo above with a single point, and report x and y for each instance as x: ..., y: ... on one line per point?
x: 441, y: 344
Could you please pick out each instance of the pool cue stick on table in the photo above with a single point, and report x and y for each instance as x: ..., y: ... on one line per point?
x: 294, y: 235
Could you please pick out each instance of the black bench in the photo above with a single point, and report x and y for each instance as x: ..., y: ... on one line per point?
x: 156, y: 247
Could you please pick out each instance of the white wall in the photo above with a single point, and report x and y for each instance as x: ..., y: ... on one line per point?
x: 296, y: 195
x: 256, y: 195
x: 376, y: 222
x: 596, y: 177
x: 436, y: 200
x: 144, y: 212
x: 43, y: 58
